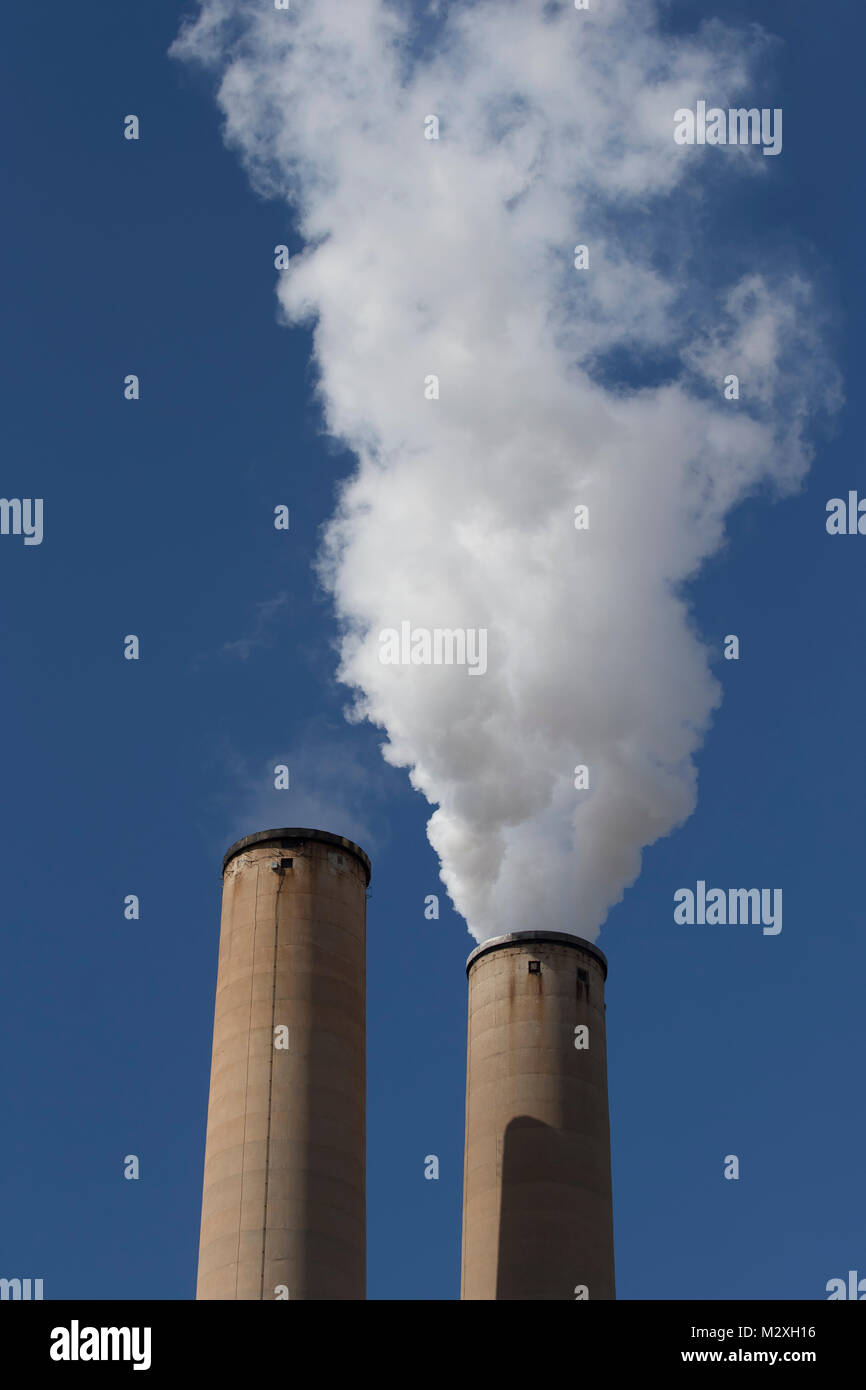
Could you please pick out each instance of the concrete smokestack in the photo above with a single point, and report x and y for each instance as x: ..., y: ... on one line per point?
x: 537, y: 1212
x: 283, y: 1207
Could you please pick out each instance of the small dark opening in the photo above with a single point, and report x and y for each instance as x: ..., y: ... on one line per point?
x: 535, y: 967
x: 286, y: 863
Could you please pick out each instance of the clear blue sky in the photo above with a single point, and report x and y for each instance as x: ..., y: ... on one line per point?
x: 123, y: 777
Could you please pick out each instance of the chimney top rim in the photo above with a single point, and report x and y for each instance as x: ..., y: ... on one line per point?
x: 519, y: 938
x: 298, y: 834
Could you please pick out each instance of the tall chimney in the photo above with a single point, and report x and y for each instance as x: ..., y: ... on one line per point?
x: 283, y: 1206
x: 537, y: 1212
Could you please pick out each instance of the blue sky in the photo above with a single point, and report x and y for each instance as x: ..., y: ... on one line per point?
x: 121, y: 777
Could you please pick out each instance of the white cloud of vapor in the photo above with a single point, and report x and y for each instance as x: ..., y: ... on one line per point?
x: 454, y: 257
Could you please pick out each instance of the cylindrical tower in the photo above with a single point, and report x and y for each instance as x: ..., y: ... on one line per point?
x: 283, y: 1207
x: 537, y: 1211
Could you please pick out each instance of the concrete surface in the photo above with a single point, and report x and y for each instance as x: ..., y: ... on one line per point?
x: 537, y: 1208
x: 283, y: 1204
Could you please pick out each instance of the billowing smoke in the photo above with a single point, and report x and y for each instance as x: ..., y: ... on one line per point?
x: 558, y: 388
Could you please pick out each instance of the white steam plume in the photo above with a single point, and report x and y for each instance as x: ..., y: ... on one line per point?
x: 455, y: 258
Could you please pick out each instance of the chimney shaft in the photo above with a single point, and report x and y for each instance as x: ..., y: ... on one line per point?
x: 283, y: 1206
x: 537, y: 1211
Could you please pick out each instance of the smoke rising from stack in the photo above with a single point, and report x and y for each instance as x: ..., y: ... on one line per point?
x: 558, y: 387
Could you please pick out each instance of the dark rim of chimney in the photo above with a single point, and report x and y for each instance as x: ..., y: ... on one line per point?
x: 290, y: 838
x: 521, y: 938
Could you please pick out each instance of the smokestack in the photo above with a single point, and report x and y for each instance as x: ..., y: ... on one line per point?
x: 283, y: 1206
x: 537, y: 1213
